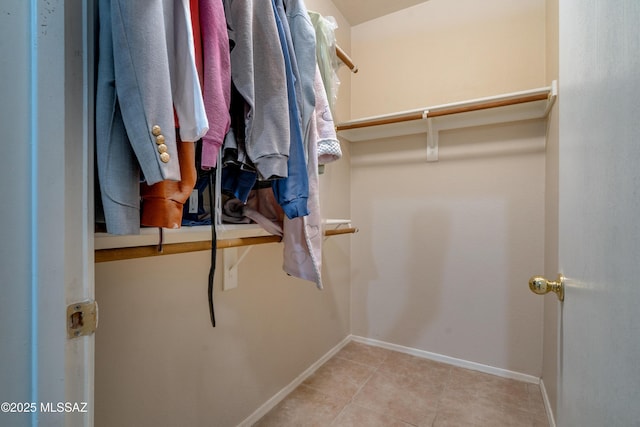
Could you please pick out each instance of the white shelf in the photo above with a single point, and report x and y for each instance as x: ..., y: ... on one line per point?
x: 516, y: 106
x: 150, y: 236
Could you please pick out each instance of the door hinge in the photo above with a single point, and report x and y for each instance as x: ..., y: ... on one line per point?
x: 82, y: 319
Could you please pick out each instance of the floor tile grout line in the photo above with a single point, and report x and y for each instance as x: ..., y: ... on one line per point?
x: 353, y: 361
x: 351, y: 401
x: 364, y: 383
x: 377, y: 370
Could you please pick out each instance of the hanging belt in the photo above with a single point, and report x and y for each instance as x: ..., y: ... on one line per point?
x: 214, y: 239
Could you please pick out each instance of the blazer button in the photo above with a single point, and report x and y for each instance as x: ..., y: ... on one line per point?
x: 159, y: 139
x: 164, y: 157
x: 162, y: 148
x: 155, y: 130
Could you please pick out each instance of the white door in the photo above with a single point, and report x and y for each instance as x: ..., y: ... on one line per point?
x: 599, y: 247
x: 46, y: 252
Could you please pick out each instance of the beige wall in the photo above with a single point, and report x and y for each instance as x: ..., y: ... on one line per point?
x: 551, y: 267
x: 158, y: 360
x: 446, y: 249
x: 446, y: 51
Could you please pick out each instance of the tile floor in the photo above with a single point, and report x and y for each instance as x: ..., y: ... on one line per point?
x: 367, y: 386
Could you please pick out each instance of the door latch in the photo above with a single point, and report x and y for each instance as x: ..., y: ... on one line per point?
x: 82, y: 319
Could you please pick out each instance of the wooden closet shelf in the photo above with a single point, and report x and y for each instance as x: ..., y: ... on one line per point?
x: 119, y: 254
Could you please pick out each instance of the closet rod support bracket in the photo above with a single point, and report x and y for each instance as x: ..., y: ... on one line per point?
x: 432, y: 139
x: 553, y: 94
x: 230, y: 263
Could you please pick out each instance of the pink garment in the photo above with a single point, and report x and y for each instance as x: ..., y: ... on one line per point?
x: 216, y: 78
x: 303, y: 236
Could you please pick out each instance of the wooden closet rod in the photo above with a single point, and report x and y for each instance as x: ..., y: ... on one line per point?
x: 342, y: 55
x: 418, y: 115
x: 118, y: 254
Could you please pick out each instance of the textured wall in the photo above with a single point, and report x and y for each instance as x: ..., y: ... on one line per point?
x: 446, y: 249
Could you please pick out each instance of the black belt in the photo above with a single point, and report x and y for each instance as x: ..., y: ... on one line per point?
x: 214, y: 239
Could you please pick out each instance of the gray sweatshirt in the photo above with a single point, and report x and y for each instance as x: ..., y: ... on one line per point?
x: 257, y: 71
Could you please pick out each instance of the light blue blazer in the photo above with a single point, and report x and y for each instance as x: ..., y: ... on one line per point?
x: 135, y: 126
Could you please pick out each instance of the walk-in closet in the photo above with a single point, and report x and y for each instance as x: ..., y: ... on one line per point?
x: 449, y: 220
x: 472, y: 145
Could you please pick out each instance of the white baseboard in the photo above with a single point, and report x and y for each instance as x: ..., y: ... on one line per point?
x: 450, y: 360
x: 547, y: 405
x: 278, y: 397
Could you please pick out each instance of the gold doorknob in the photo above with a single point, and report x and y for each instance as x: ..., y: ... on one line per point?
x: 541, y: 286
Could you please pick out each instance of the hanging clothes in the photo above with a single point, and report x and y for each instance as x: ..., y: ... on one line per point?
x: 257, y: 72
x: 143, y: 73
x: 216, y: 80
x: 303, y: 39
x: 310, y: 128
x: 162, y: 203
x: 325, y: 27
x: 302, y: 237
x: 292, y: 192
